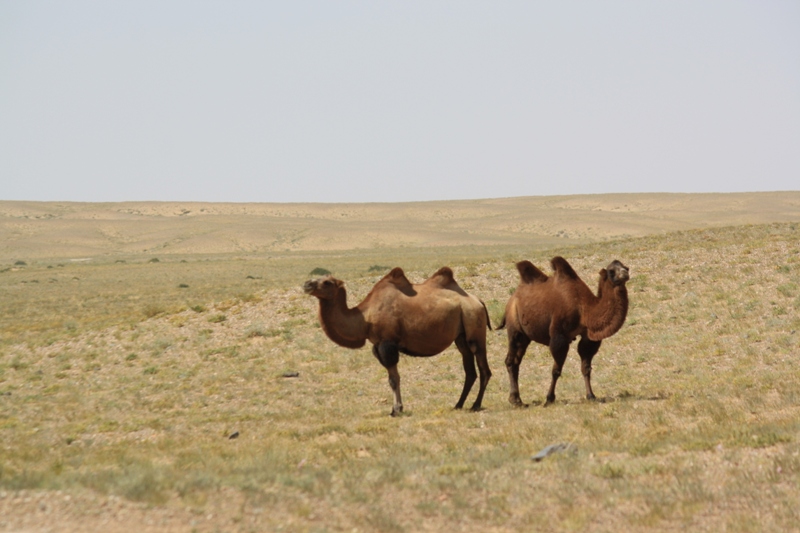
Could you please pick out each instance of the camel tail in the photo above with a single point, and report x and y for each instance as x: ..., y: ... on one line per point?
x: 502, y: 323
x: 488, y: 320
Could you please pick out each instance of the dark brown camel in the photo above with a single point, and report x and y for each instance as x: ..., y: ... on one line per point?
x: 418, y: 320
x: 554, y: 310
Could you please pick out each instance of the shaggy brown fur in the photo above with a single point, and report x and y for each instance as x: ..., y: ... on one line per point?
x: 418, y: 320
x: 554, y: 310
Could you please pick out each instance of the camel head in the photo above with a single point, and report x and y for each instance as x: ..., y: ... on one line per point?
x: 616, y: 272
x: 324, y: 288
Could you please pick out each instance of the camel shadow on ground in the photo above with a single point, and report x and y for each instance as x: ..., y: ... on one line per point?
x: 624, y: 396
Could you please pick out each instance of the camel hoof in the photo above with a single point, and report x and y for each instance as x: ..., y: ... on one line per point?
x: 397, y: 412
x: 515, y: 400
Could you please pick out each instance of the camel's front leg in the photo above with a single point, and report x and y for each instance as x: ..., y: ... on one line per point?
x: 559, y: 346
x: 388, y: 354
x: 587, y: 349
x: 394, y: 383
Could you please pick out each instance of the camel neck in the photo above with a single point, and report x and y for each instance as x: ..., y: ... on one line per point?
x: 608, y: 313
x: 346, y: 327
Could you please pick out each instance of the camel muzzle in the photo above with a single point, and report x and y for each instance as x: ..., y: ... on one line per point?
x: 621, y: 277
x: 309, y: 286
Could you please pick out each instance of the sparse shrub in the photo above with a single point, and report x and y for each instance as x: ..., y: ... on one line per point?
x: 496, y: 310
x: 198, y: 308
x: 143, y: 483
x: 319, y: 271
x: 472, y: 271
x: 787, y: 289
x: 216, y: 319
x: 378, y: 268
x: 610, y: 471
x: 160, y: 345
x: 150, y: 370
x: 154, y: 260
x: 21, y: 263
x: 183, y: 286
x: 152, y: 310
x: 256, y: 330
x: 225, y: 351
x: 295, y: 311
x: 758, y: 437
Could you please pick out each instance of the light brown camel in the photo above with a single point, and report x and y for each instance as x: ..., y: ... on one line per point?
x: 418, y: 320
x: 554, y: 310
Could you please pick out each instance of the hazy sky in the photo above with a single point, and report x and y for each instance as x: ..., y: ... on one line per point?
x: 395, y: 101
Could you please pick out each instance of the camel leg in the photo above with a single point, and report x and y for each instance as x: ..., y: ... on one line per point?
x: 470, y: 375
x: 394, y: 383
x: 559, y: 346
x: 586, y: 349
x: 479, y: 349
x: 387, y: 353
x: 517, y: 345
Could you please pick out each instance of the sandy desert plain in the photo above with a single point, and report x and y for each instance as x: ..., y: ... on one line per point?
x: 136, y: 339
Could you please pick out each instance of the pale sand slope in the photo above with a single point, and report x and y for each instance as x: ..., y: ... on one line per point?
x: 30, y: 230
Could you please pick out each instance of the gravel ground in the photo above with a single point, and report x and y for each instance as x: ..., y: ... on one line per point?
x: 55, y: 511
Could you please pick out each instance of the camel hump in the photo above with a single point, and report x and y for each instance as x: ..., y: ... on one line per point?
x: 528, y: 272
x: 397, y: 278
x: 442, y: 277
x: 396, y: 273
x: 560, y: 266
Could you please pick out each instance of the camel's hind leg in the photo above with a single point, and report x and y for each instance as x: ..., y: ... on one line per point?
x: 475, y: 351
x: 388, y: 354
x: 517, y: 345
x: 479, y: 349
x: 587, y: 349
x: 470, y: 375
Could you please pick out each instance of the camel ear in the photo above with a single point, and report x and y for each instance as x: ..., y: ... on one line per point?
x: 603, y: 274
